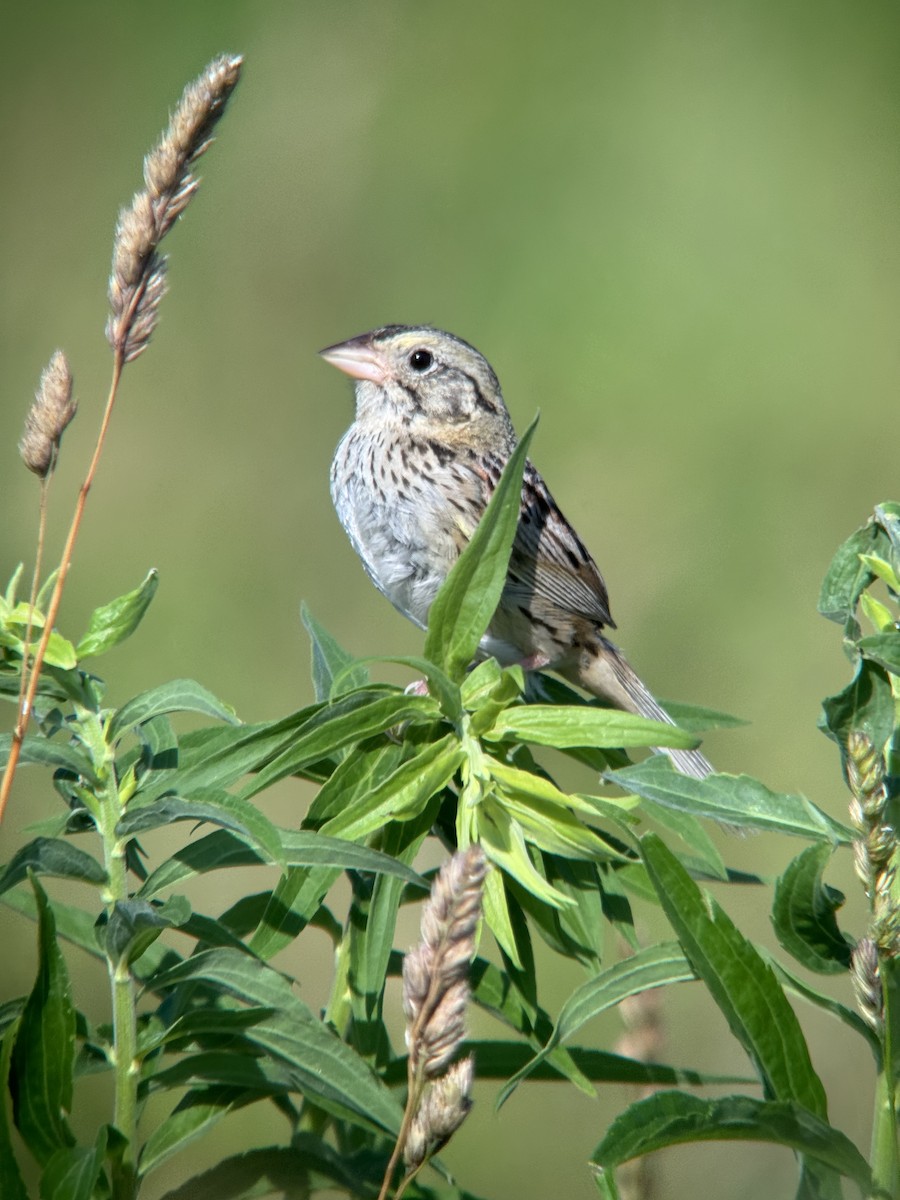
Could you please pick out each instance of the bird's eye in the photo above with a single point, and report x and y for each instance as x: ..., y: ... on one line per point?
x: 421, y: 360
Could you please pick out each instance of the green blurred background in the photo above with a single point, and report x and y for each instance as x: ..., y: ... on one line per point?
x: 671, y: 227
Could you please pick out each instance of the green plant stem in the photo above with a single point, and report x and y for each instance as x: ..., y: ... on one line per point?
x: 884, y: 1156
x: 126, y: 1067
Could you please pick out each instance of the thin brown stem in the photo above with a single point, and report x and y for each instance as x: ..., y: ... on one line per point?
x: 414, y: 1095
x: 65, y: 562
x: 32, y: 600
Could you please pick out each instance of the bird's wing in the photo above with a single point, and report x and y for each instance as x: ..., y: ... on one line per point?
x: 550, y: 563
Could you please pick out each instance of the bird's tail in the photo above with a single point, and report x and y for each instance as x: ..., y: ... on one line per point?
x: 608, y: 675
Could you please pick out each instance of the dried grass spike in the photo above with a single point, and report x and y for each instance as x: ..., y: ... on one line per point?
x: 865, y: 976
x: 137, y: 282
x: 435, y: 973
x: 52, y: 410
x: 444, y: 1108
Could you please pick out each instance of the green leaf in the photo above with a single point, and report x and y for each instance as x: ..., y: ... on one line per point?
x: 882, y: 569
x: 327, y: 1070
x: 12, y: 1185
x: 739, y: 981
x: 221, y: 850
x: 887, y: 514
x: 44, y: 1053
x: 803, y: 914
x: 218, y: 756
x: 865, y: 704
x: 215, y: 806
x: 60, y: 652
x: 469, y: 596
x: 884, y: 649
x: 403, y: 794
x: 330, y: 661
x: 828, y: 1004
x: 672, y: 1118
x: 195, y: 1115
x: 293, y: 904
x: 553, y: 828
x: 178, y: 695
x: 51, y: 856
x: 306, y: 1167
x: 496, y: 915
x: 372, y: 921
x: 500, y: 1059
x: 73, y: 1173
x: 232, y: 1067
x: 134, y: 925
x: 604, y: 728
x: 75, y: 926
x: 697, y: 719
x: 848, y: 576
x: 114, y: 622
x: 199, y: 1025
x: 504, y: 844
x: 734, y: 799
x: 358, y: 774
x: 440, y: 686
x: 691, y: 832
x: 39, y: 749
x: 351, y: 718
x: 579, y: 930
x: 655, y: 966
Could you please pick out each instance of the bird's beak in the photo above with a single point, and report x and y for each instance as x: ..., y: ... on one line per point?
x: 357, y: 358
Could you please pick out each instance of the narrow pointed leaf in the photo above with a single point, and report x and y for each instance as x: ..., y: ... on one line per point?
x: 195, y: 1115
x: 51, y: 856
x: 865, y: 704
x: 302, y: 848
x: 692, y: 832
x: 292, y: 905
x: 884, y: 649
x: 695, y: 718
x: 403, y: 794
x: 349, y: 719
x: 553, y: 828
x: 114, y: 622
x: 739, y: 981
x: 359, y: 774
x: 470, y: 594
x: 218, y: 756
x: 799, y: 987
x: 672, y: 1118
x: 44, y: 1053
x: 330, y: 661
x: 12, y: 1185
x: 306, y: 1167
x: 73, y: 1173
x: 49, y: 752
x: 496, y: 915
x: 179, y: 695
x: 134, y: 926
x: 603, y: 728
x: 734, y: 799
x: 503, y: 842
x: 215, y: 806
x: 803, y: 914
x: 848, y: 576
x: 655, y: 966
x: 327, y: 1070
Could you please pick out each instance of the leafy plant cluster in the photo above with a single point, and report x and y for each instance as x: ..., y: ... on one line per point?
x: 217, y: 1028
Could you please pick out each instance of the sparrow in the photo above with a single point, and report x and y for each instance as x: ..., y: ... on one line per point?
x: 410, y: 481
